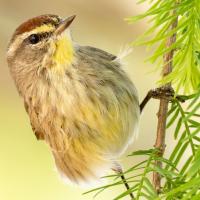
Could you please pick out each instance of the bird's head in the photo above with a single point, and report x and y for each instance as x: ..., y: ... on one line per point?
x: 41, y: 42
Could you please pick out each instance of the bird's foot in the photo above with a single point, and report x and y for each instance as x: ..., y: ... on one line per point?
x: 165, y: 92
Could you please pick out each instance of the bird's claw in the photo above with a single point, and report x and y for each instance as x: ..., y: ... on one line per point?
x: 165, y: 92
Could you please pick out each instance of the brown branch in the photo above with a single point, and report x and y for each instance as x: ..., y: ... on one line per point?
x: 163, y: 108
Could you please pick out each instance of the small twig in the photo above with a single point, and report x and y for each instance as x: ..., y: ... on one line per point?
x: 163, y: 108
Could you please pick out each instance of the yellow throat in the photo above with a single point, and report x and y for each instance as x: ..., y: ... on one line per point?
x: 63, y: 54
x: 62, y: 47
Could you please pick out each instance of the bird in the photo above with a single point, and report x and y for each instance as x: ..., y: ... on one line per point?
x: 79, y: 99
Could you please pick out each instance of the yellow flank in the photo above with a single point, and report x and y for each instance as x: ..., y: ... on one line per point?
x: 64, y: 53
x: 109, y: 125
x: 44, y: 28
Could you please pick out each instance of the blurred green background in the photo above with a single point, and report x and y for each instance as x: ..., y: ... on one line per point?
x: 27, y: 170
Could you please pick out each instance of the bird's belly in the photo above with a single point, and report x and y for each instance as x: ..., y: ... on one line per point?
x: 106, y: 119
x: 86, y: 133
x: 110, y: 129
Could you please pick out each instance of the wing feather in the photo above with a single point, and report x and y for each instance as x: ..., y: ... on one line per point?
x: 97, y: 53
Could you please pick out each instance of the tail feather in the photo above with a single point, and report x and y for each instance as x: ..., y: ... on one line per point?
x: 81, y: 165
x: 124, y: 51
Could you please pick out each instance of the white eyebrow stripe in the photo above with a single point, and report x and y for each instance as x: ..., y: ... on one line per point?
x: 16, y: 43
x: 44, y: 28
x: 20, y: 38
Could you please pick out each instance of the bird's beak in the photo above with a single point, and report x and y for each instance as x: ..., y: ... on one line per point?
x: 64, y: 25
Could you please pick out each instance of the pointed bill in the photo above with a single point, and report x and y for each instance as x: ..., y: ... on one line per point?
x: 64, y: 25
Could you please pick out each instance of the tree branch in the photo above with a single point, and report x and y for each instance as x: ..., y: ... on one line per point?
x: 163, y: 108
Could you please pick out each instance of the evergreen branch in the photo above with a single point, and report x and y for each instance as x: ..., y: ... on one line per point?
x: 163, y: 108
x: 176, y: 32
x: 140, y: 187
x: 186, y: 128
x: 186, y: 60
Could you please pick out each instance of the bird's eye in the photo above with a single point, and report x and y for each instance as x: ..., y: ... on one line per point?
x: 34, y: 39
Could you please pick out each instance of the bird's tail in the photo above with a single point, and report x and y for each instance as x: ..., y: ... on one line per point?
x: 82, y: 163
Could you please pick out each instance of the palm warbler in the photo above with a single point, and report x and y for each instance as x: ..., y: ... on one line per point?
x: 78, y: 98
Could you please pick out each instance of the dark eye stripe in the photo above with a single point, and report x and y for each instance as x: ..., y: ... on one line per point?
x: 45, y: 34
x: 41, y: 36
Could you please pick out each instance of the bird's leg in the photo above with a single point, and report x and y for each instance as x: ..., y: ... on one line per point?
x: 165, y: 92
x: 119, y: 171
